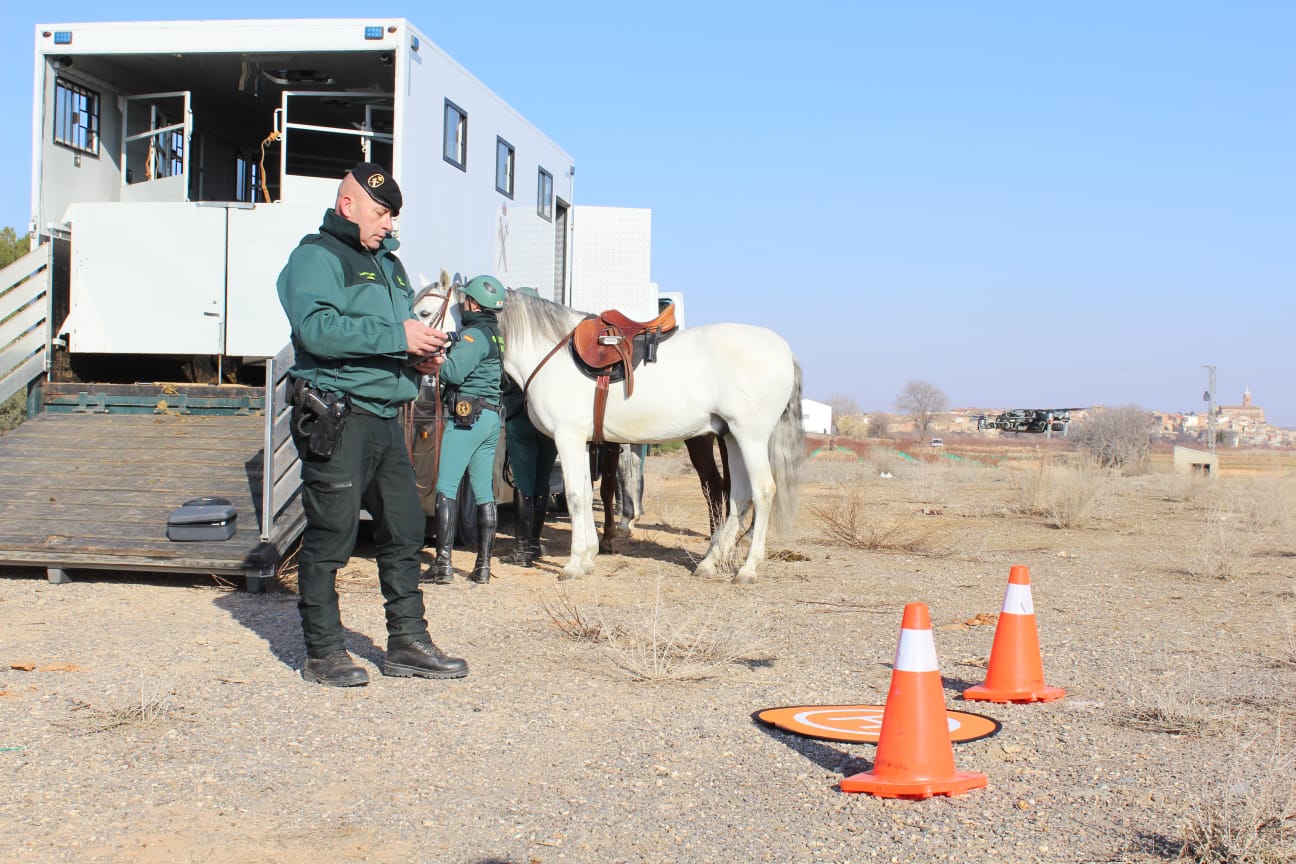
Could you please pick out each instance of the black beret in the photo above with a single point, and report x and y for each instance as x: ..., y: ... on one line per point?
x: 380, y: 185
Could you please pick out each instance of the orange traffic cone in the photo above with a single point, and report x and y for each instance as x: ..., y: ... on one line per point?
x: 1016, y: 672
x: 915, y: 758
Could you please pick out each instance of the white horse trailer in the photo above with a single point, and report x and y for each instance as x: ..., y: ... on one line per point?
x: 174, y: 166
x: 184, y: 159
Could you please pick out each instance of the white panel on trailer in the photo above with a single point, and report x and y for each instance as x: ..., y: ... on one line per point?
x: 260, y: 240
x: 612, y: 261
x: 177, y: 309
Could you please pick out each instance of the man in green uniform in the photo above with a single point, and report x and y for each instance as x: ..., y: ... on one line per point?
x: 471, y: 373
x: 358, y: 353
x: 531, y: 456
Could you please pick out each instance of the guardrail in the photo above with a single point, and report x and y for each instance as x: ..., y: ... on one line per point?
x: 24, y: 314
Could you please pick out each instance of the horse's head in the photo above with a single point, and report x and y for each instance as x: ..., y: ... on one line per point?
x: 437, y: 303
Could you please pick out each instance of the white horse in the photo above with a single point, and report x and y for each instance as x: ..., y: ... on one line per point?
x: 739, y: 381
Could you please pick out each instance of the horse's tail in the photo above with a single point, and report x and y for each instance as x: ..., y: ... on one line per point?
x: 787, y: 450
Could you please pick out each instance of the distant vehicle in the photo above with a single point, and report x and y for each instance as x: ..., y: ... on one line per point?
x: 937, y: 442
x: 1029, y: 420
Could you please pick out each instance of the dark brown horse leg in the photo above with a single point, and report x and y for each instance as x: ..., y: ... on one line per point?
x: 604, y: 456
x: 715, y: 481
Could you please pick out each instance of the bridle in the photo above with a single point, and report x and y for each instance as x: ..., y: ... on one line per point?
x: 438, y: 423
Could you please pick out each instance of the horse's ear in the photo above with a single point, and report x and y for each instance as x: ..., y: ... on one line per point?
x: 445, y: 279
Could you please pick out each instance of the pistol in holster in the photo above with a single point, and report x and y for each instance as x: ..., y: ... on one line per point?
x: 318, y: 417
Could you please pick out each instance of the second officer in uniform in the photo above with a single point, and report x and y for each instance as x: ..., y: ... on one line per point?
x: 471, y: 377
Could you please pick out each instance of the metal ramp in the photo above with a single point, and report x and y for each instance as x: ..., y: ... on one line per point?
x: 91, y: 487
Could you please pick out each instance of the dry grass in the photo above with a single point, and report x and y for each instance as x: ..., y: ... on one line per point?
x: 151, y: 705
x: 1250, y: 818
x: 662, y: 643
x: 1171, y: 704
x: 1067, y: 493
x: 1225, y: 542
x: 842, y: 522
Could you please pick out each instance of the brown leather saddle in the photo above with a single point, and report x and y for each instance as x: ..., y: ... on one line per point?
x: 607, y: 347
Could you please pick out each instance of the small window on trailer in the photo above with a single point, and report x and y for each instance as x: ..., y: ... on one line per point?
x: 456, y: 136
x: 544, y: 195
x: 504, y: 161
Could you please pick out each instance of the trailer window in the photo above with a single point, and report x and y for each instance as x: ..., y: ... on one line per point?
x: 76, y: 117
x: 544, y: 195
x: 503, y: 166
x: 456, y: 136
x: 247, y: 180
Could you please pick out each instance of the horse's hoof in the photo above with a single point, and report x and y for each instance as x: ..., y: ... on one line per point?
x: 742, y: 578
x: 705, y: 570
x: 569, y: 572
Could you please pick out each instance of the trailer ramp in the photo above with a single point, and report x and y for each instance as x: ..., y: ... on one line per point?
x: 92, y: 488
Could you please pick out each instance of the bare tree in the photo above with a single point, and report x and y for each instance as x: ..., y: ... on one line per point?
x: 1117, y: 437
x: 842, y: 406
x: 921, y: 401
x: 879, y: 425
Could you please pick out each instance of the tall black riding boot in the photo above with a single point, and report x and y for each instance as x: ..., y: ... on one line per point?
x: 539, y: 509
x: 522, y: 528
x: 442, y: 572
x: 487, y: 521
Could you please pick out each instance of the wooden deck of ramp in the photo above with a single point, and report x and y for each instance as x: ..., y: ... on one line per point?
x: 93, y: 491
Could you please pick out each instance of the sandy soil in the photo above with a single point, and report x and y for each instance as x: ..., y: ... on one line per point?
x: 164, y: 720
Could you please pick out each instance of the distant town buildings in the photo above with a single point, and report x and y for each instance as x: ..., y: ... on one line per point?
x: 1241, y: 425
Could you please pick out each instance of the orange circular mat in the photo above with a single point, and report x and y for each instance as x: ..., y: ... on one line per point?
x: 862, y: 723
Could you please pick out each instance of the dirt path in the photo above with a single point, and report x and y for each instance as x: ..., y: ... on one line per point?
x: 165, y: 721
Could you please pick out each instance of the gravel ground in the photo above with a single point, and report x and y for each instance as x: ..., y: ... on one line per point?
x: 164, y: 720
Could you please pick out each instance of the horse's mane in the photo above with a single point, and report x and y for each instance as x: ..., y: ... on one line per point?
x: 527, y: 317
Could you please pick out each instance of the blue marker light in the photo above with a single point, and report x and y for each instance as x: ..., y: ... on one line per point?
x: 373, y: 32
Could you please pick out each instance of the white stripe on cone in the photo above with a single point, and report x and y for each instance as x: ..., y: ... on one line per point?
x: 916, y: 652
x: 1017, y: 600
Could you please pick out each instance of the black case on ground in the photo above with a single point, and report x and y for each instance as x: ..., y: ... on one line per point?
x: 202, y: 519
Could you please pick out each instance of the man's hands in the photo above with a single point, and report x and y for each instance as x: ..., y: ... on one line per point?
x: 429, y: 365
x: 422, y: 341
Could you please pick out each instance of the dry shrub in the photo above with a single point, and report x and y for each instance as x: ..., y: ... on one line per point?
x: 152, y: 704
x: 1183, y: 488
x: 1270, y: 502
x: 663, y: 642
x: 1170, y: 705
x: 842, y: 522
x: 923, y: 483
x: 1224, y: 543
x: 1250, y: 817
x: 1067, y: 493
x: 572, y: 621
x: 882, y: 460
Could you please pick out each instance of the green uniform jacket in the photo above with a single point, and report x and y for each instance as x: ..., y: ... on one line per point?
x: 475, y: 364
x: 347, y: 308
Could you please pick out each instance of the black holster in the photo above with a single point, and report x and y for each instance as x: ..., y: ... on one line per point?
x: 318, y: 416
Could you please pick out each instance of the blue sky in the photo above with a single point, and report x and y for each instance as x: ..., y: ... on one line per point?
x: 1025, y: 204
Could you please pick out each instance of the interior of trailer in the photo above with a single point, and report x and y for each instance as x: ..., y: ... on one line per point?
x: 219, y: 127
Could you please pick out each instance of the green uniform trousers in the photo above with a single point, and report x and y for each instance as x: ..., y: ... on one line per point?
x: 531, y: 454
x: 472, y: 449
x: 369, y: 469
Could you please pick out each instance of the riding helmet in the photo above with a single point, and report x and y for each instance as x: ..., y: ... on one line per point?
x: 487, y: 291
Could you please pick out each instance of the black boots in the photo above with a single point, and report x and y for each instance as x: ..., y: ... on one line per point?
x: 522, y: 530
x: 441, y: 572
x: 487, y: 522
x: 335, y: 670
x: 537, y: 508
x: 424, y: 660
